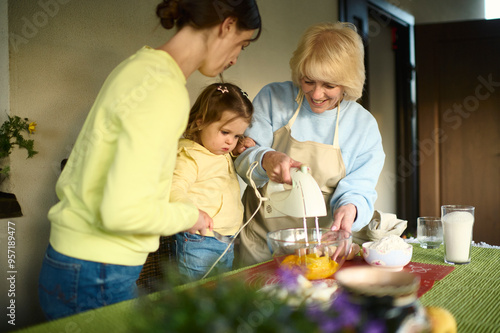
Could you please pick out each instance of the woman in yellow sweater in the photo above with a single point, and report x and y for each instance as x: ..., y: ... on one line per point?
x: 114, y: 190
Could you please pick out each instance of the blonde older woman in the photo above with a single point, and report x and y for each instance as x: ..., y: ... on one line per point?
x: 315, y: 120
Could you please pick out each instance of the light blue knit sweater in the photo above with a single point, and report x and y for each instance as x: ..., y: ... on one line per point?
x: 359, y: 139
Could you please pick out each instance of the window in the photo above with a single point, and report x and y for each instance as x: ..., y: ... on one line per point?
x: 491, y: 9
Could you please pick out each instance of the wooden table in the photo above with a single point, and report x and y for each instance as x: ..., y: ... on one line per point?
x: 471, y: 292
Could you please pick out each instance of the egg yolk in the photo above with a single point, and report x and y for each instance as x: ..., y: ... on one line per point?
x: 316, y: 267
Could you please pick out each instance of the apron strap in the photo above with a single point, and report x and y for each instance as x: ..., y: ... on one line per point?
x: 336, y: 135
x: 299, y: 99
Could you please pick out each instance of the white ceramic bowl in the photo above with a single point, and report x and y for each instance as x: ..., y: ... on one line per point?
x: 393, y: 260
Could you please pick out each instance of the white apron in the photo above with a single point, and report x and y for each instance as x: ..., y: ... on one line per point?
x: 327, y: 168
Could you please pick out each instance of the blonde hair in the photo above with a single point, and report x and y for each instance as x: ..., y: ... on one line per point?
x: 333, y: 53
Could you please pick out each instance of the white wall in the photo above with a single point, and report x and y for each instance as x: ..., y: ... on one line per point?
x: 60, y: 55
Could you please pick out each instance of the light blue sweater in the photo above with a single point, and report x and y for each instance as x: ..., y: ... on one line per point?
x: 359, y: 139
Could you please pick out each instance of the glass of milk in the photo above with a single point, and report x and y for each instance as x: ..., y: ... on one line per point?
x: 457, y: 231
x: 429, y: 232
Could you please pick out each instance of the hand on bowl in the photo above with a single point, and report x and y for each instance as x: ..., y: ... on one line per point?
x: 354, y: 251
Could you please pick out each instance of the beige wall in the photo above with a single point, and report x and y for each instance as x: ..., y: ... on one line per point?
x: 58, y: 63
x: 4, y: 62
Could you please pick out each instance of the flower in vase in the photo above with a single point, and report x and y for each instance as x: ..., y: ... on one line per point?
x: 12, y: 134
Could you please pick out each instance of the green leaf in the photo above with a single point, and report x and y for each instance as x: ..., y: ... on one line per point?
x: 11, y: 135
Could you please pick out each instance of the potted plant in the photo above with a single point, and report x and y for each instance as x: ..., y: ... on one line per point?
x: 12, y: 134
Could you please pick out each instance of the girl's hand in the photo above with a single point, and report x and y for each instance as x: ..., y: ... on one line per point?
x: 277, y: 166
x: 242, y: 145
x: 344, y: 217
x: 204, y: 222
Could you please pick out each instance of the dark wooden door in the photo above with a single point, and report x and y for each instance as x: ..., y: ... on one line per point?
x: 458, y: 101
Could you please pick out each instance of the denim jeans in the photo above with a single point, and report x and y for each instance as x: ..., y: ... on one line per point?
x: 196, y: 254
x: 68, y: 285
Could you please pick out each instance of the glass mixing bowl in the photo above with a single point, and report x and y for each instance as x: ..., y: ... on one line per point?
x: 318, y: 253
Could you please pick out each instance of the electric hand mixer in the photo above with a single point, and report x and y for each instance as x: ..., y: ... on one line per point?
x: 302, y: 199
x: 320, y: 251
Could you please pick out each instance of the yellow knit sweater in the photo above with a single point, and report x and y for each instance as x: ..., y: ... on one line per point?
x: 114, y: 190
x: 210, y: 182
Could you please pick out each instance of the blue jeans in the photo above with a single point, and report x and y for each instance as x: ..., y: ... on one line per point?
x: 196, y: 254
x: 68, y: 285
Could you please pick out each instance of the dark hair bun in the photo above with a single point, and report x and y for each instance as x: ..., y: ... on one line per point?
x: 168, y: 12
x: 202, y: 14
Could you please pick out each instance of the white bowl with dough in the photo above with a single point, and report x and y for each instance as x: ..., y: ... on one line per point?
x: 388, y: 253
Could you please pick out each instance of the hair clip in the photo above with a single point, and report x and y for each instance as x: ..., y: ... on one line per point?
x: 222, y: 89
x: 244, y: 93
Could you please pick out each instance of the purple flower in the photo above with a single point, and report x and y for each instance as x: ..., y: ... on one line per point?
x: 342, y: 315
x: 288, y: 276
x: 374, y: 326
x: 348, y: 313
x: 330, y: 326
x: 325, y: 321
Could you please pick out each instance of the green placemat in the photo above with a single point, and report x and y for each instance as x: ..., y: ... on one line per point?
x: 470, y: 292
x: 110, y: 319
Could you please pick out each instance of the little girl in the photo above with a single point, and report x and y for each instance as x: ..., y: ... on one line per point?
x: 205, y: 176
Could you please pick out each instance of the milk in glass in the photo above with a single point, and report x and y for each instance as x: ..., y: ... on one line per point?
x: 457, y: 229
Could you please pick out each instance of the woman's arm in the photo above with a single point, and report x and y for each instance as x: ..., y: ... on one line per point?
x: 355, y: 195
x: 136, y: 192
